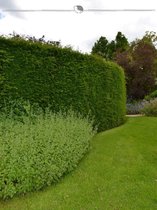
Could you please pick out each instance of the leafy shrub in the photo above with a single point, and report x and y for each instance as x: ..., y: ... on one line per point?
x: 64, y: 79
x: 150, y: 109
x: 18, y: 109
x: 37, y: 153
x: 151, y: 95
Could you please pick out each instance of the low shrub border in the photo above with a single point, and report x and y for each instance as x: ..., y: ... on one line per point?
x: 40, y: 150
x: 150, y: 109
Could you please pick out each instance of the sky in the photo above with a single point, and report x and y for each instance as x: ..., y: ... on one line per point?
x: 82, y: 30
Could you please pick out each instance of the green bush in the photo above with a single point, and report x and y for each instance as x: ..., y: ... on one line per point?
x: 65, y: 79
x: 151, y: 95
x: 5, y: 88
x: 150, y: 109
x: 38, y: 152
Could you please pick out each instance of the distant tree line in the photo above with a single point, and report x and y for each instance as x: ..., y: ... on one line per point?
x: 138, y: 59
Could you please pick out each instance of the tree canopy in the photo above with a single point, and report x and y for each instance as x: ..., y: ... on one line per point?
x: 108, y: 49
x: 138, y: 59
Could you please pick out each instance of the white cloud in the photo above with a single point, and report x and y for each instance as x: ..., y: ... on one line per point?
x: 10, y: 4
x: 80, y: 30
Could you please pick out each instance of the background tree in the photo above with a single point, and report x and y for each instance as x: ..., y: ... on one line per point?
x: 101, y: 47
x: 121, y: 43
x: 108, y: 49
x: 144, y: 56
x: 139, y: 63
x: 124, y: 59
x: 138, y: 59
x: 111, y: 50
x: 150, y: 37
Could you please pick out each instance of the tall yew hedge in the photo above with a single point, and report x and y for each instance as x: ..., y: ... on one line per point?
x: 63, y: 79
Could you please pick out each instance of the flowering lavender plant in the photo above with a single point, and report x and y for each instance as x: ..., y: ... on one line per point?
x: 135, y: 107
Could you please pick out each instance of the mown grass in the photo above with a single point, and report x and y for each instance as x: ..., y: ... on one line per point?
x: 119, y: 173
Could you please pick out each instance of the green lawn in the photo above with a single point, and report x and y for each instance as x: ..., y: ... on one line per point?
x: 119, y: 173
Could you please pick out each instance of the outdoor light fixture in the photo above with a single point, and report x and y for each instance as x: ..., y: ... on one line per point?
x: 78, y: 9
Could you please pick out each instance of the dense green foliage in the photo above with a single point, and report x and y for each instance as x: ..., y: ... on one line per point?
x: 151, y: 95
x: 63, y: 79
x: 150, y: 108
x: 140, y: 68
x: 101, y: 47
x: 119, y: 173
x: 121, y: 42
x: 137, y: 58
x: 40, y: 150
x: 107, y: 50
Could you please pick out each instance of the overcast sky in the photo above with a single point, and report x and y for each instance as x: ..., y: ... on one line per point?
x: 78, y: 30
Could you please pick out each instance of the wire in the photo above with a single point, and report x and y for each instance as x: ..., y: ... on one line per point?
x: 78, y: 9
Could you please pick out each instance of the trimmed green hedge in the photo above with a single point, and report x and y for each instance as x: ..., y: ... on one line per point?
x: 64, y: 79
